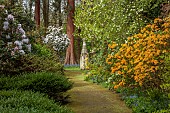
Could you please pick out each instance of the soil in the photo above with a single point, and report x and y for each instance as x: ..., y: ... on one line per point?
x: 86, y: 97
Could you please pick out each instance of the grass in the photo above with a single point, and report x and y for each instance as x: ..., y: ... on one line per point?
x: 72, y: 68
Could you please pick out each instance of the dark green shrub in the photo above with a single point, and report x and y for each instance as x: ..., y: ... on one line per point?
x: 52, y: 84
x: 30, y: 63
x: 15, y: 101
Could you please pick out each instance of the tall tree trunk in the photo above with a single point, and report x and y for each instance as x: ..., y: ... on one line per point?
x: 70, y: 57
x: 46, y: 13
x: 37, y: 13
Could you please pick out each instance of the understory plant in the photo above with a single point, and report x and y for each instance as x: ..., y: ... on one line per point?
x: 52, y: 84
x: 17, y: 101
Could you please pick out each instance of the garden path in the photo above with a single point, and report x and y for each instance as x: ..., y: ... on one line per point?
x: 87, y: 97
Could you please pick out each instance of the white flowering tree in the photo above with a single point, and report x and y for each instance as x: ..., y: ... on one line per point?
x: 57, y: 39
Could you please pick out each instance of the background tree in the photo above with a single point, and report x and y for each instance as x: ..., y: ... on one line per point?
x: 56, y: 14
x: 37, y: 13
x: 70, y: 57
x: 46, y: 13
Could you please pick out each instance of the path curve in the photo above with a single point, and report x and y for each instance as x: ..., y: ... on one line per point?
x: 87, y: 97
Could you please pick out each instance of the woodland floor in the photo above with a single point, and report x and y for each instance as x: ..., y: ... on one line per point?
x: 86, y: 97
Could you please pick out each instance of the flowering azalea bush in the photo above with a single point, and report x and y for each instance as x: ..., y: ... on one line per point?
x: 140, y: 67
x: 139, y: 61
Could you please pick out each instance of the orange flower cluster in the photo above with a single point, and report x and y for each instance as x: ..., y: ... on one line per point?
x: 111, y: 46
x: 138, y: 60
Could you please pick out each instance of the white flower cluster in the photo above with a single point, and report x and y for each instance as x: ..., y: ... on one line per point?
x: 22, y: 40
x: 59, y: 40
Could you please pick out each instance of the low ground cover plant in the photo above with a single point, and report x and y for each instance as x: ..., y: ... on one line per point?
x: 52, y: 84
x: 17, y: 101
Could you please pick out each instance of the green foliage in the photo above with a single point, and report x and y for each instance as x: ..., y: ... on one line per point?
x: 104, y: 21
x: 98, y: 76
x: 29, y: 63
x: 21, y: 17
x: 42, y: 50
x: 107, y: 20
x: 144, y: 104
x: 16, y: 101
x: 166, y: 85
x: 52, y: 84
x: 11, y: 62
x: 166, y: 77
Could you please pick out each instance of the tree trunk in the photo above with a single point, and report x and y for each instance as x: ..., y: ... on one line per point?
x: 46, y: 13
x: 70, y: 57
x: 37, y: 13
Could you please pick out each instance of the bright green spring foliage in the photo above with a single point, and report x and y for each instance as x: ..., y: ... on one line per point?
x: 107, y: 19
x: 104, y: 21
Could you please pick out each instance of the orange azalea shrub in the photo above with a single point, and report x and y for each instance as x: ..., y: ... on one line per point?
x: 139, y: 61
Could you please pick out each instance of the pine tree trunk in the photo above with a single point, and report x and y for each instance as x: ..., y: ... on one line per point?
x: 70, y: 57
x: 46, y: 13
x: 37, y: 13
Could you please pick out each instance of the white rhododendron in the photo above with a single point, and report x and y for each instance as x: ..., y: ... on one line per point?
x: 55, y: 37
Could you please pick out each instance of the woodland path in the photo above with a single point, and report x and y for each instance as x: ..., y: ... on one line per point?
x: 86, y: 97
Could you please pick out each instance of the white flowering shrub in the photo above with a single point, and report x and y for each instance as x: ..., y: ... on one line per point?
x: 56, y: 38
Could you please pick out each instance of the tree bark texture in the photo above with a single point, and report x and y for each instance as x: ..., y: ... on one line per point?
x: 70, y: 57
x: 46, y: 13
x: 37, y: 13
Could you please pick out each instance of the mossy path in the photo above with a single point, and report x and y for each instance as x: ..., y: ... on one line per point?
x: 87, y: 97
